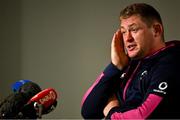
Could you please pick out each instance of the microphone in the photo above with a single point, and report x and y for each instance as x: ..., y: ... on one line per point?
x: 13, y: 106
x: 30, y: 89
x: 16, y: 86
x: 44, y: 102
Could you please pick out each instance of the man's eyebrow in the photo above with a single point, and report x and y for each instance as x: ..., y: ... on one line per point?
x: 129, y: 26
x: 132, y: 25
x: 122, y: 27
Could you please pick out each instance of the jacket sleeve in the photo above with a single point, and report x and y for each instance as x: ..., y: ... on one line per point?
x: 141, y: 112
x: 97, y: 95
x: 157, y: 91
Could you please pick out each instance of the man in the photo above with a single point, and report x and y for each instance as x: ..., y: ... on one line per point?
x: 142, y: 79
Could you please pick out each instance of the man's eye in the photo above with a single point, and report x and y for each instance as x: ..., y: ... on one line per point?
x: 134, y: 30
x: 123, y: 32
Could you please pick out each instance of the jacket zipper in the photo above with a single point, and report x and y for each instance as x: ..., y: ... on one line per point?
x: 130, y: 79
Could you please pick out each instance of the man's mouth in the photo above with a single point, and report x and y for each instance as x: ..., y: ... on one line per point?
x: 131, y: 47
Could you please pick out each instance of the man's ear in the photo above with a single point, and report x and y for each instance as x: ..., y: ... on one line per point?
x: 157, y: 29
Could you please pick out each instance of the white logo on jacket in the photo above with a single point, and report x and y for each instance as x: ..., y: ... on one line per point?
x: 162, y: 86
x: 143, y: 74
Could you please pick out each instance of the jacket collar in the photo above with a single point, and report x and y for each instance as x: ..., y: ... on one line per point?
x: 169, y: 45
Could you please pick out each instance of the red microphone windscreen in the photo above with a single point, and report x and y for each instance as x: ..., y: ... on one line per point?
x: 46, y: 97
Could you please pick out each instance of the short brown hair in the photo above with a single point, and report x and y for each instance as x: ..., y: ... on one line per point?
x: 146, y: 12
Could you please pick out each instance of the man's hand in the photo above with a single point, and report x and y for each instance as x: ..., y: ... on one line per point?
x: 112, y: 102
x: 118, y: 55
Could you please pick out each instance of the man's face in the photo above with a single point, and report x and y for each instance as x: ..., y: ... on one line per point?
x: 137, y: 36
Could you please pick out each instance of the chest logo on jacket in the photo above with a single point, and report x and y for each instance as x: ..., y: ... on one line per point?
x: 143, y: 74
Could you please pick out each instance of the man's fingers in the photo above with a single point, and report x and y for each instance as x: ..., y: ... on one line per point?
x: 118, y: 55
x: 112, y: 102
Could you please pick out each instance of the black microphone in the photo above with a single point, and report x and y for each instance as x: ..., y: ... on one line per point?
x: 14, y: 105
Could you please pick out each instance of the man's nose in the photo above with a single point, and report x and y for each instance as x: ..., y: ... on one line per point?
x: 129, y: 37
